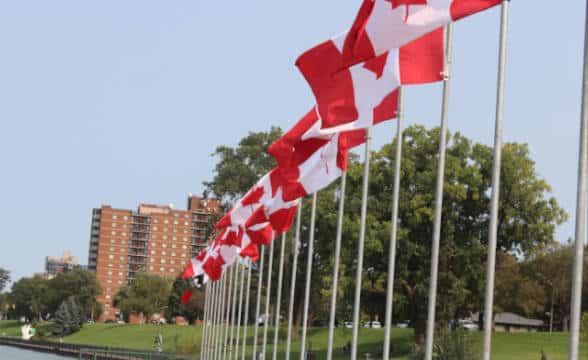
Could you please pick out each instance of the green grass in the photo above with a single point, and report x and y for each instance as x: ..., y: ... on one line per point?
x: 523, y: 346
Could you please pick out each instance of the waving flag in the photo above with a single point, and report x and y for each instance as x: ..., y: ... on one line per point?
x: 380, y: 27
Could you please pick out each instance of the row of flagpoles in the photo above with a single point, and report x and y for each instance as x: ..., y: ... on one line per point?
x: 226, y: 311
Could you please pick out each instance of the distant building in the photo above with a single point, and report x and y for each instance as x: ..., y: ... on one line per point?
x: 155, y: 239
x: 510, y: 322
x: 54, y: 266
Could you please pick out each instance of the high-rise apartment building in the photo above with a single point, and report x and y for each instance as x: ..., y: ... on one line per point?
x: 154, y: 239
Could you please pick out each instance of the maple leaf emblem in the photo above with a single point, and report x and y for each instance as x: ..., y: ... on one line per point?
x: 407, y: 3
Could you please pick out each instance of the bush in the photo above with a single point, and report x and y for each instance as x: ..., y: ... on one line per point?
x: 456, y: 345
x: 68, y: 318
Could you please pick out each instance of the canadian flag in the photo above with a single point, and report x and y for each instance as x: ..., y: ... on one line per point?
x: 380, y: 27
x: 352, y: 98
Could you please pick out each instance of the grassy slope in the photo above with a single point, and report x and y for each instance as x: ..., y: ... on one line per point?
x: 505, y: 346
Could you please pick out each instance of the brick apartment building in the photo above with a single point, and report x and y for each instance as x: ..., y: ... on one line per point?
x: 154, y: 239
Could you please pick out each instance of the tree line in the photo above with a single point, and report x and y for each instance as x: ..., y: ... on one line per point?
x: 533, y: 268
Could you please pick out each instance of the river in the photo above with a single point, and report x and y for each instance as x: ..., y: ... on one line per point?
x: 14, y: 353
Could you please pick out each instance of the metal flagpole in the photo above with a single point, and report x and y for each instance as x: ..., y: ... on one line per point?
x: 336, y: 266
x: 492, y: 232
x: 308, y: 276
x: 268, y: 285
x: 580, y: 236
x: 206, y: 304
x: 226, y: 325
x: 394, y: 228
x: 430, y: 333
x: 211, y: 315
x: 234, y: 308
x: 246, y: 310
x: 279, y: 297
x: 258, y: 304
x: 218, y: 312
x: 219, y: 336
x: 239, y: 312
x: 213, y: 306
x: 360, y: 245
x: 293, y: 280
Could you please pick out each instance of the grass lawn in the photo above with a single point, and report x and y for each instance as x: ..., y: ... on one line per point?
x: 186, y: 339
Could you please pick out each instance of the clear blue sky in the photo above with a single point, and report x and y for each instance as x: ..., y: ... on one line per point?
x: 121, y: 102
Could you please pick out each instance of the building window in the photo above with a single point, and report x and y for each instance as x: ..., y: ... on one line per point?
x: 112, y: 241
x: 108, y: 296
x: 172, y: 262
x: 151, y: 268
x: 152, y: 252
x: 110, y: 273
x: 164, y: 229
x: 163, y: 261
x: 111, y: 257
x: 114, y: 217
x: 152, y: 260
x: 185, y: 238
x: 120, y: 274
x: 113, y: 233
x: 173, y: 246
x: 154, y: 236
x: 172, y: 270
x: 121, y: 258
x: 106, y: 312
x: 174, y: 238
x: 155, y: 228
x: 173, y: 253
x: 163, y: 253
x: 186, y: 223
x: 111, y: 249
x: 165, y: 221
x: 164, y: 237
x: 113, y: 224
x: 164, y: 245
x: 110, y: 265
x: 162, y: 269
x: 184, y: 247
x: 126, y: 217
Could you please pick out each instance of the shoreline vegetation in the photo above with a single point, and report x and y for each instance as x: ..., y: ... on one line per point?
x: 186, y: 340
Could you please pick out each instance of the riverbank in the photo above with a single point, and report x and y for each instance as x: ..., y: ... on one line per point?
x: 186, y: 340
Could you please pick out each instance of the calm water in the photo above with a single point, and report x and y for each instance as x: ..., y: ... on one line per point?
x: 12, y: 353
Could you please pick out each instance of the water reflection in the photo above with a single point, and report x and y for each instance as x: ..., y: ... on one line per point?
x: 13, y: 353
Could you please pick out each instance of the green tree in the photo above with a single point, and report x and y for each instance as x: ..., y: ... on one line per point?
x: 62, y: 320
x: 81, y: 285
x: 28, y: 295
x: 4, y: 278
x: 193, y: 309
x: 527, y: 220
x: 240, y: 167
x: 148, y: 294
x: 75, y: 314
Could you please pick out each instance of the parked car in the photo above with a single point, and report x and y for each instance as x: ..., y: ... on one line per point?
x: 402, y: 325
x: 348, y: 324
x: 468, y: 325
x: 367, y: 324
x: 376, y: 325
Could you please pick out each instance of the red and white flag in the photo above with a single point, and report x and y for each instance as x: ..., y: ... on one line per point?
x: 380, y: 27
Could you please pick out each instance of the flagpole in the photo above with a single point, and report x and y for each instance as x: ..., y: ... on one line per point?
x: 394, y: 227
x: 580, y: 236
x: 246, y: 310
x: 226, y: 325
x: 217, y: 349
x: 206, y: 305
x: 222, y: 316
x: 336, y: 266
x: 213, y: 307
x: 293, y: 280
x: 268, y: 295
x: 279, y: 297
x: 258, y: 304
x: 239, y: 312
x: 439, y: 197
x: 492, y: 233
x: 234, y: 308
x: 308, y: 276
x: 361, y: 243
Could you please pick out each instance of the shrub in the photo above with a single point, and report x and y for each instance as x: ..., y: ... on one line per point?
x: 456, y: 345
x: 62, y: 320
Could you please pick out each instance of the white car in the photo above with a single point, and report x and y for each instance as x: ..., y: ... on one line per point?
x: 367, y: 324
x: 348, y: 324
x: 468, y: 325
x: 376, y: 325
x: 402, y: 325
